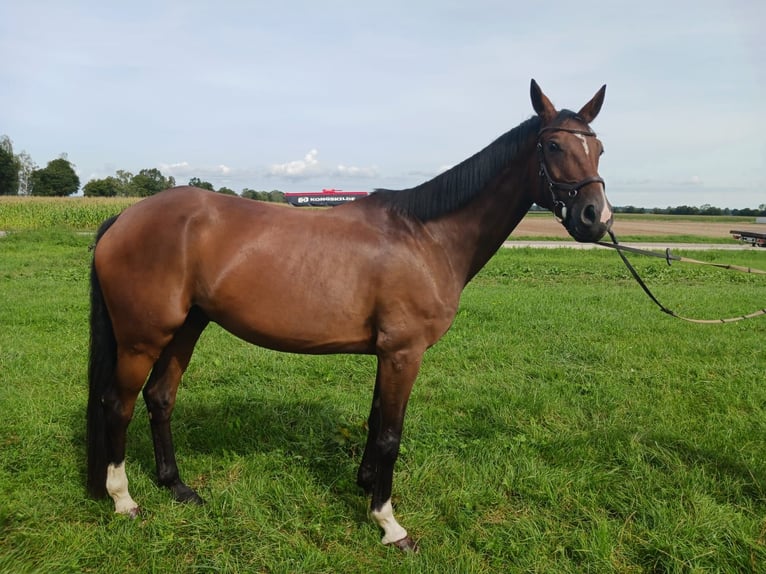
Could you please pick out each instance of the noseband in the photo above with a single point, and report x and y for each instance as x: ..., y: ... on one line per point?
x: 558, y: 188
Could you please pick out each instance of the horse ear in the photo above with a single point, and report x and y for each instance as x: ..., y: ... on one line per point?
x: 541, y: 103
x: 590, y: 110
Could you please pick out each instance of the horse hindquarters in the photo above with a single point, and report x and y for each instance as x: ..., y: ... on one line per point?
x: 110, y: 405
x: 115, y: 379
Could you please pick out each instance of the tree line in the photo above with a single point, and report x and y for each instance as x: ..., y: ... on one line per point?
x: 705, y: 209
x: 20, y: 176
x: 150, y: 181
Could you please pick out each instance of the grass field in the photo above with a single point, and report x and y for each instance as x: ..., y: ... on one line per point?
x: 562, y: 425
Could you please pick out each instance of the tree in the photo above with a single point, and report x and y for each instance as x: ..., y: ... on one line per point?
x: 253, y: 194
x: 26, y: 167
x: 274, y: 195
x: 226, y: 191
x: 126, y: 187
x: 197, y: 182
x: 150, y: 181
x: 9, y: 168
x: 107, y: 187
x: 58, y: 178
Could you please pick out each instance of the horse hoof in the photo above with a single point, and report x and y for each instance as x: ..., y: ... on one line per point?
x: 194, y: 498
x: 182, y: 493
x: 190, y: 498
x: 133, y: 513
x: 406, y: 544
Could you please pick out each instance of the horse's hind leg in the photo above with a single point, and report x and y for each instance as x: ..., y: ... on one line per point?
x: 118, y: 404
x: 160, y: 398
x: 368, y: 468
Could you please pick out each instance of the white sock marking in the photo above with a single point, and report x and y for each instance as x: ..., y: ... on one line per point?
x: 117, y: 487
x: 393, y: 531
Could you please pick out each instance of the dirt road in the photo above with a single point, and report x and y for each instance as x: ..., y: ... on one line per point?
x: 539, y: 226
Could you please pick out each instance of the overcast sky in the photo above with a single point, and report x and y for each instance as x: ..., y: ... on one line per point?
x: 354, y: 95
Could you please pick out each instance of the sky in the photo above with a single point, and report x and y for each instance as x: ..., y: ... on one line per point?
x: 357, y: 95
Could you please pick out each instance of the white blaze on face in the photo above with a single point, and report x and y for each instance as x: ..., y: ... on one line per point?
x: 584, y: 143
x: 392, y: 530
x: 117, y: 487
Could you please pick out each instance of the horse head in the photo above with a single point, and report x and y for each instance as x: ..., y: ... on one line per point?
x: 568, y: 153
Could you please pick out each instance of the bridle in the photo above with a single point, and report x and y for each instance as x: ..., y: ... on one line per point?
x: 559, y: 188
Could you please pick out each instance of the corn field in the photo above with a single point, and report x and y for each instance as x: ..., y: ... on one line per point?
x: 75, y: 213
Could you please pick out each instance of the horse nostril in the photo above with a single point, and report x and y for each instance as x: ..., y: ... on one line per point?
x: 589, y: 215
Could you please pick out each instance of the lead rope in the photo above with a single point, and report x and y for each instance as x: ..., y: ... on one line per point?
x: 667, y: 256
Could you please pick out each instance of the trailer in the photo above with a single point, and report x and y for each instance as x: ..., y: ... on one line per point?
x: 323, y: 198
x: 751, y: 237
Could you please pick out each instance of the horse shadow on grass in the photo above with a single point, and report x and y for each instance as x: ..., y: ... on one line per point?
x: 317, y: 436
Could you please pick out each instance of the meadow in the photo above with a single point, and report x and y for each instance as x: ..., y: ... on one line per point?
x: 562, y: 425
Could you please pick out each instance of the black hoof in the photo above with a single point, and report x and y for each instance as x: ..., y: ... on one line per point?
x: 406, y: 544
x: 183, y: 493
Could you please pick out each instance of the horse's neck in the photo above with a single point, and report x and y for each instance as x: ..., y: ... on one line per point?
x: 473, y: 234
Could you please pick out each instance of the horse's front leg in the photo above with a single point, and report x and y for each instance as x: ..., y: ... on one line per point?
x: 395, y: 377
x: 160, y: 397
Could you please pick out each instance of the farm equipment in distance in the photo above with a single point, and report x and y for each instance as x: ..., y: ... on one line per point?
x: 751, y: 237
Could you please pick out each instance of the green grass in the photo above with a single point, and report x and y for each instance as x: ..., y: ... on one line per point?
x: 562, y: 425
x: 697, y: 218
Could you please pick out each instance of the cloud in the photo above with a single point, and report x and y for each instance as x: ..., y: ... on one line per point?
x: 310, y: 166
x: 359, y: 172
x: 297, y: 169
x: 183, y: 169
x: 176, y: 169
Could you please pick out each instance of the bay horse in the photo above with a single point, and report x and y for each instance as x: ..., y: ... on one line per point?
x: 168, y: 265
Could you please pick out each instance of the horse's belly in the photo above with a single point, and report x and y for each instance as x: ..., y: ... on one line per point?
x: 293, y: 326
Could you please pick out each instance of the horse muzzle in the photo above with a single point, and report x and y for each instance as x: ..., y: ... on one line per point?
x: 588, y: 217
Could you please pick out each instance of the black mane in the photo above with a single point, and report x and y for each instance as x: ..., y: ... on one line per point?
x: 455, y: 187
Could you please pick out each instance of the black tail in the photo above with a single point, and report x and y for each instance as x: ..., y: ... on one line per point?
x: 101, y: 366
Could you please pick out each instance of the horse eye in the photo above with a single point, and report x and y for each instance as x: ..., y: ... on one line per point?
x: 553, y: 146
